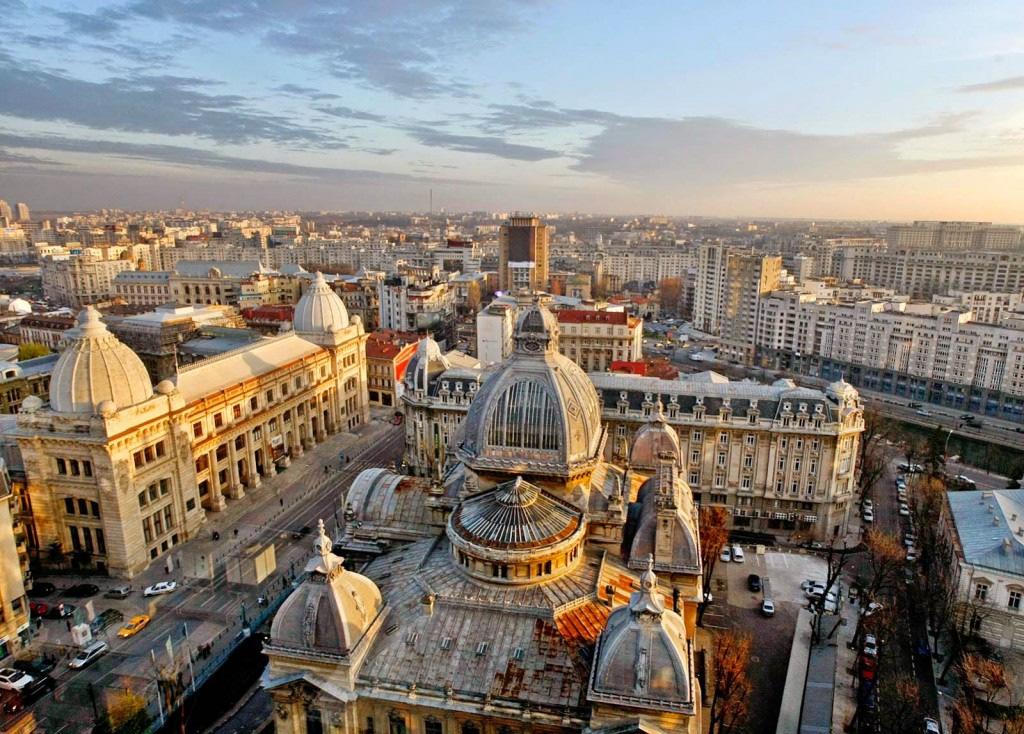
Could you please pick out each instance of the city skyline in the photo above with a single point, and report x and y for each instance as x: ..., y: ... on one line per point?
x: 849, y: 113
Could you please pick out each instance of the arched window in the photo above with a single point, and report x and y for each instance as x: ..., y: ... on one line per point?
x: 525, y: 416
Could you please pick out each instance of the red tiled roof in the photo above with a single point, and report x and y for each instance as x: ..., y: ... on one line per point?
x: 629, y: 368
x: 579, y: 316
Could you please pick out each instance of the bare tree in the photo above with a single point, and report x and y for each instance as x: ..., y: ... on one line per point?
x: 899, y: 710
x: 730, y: 658
x: 875, y: 452
x: 836, y: 560
x: 714, y: 534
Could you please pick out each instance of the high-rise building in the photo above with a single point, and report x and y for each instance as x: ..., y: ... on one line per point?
x: 523, y: 258
x: 23, y: 213
x: 5, y: 210
x: 730, y: 284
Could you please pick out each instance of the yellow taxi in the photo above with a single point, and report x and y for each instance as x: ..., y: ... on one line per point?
x: 134, y: 625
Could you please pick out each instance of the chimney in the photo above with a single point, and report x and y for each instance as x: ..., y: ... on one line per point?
x: 428, y: 604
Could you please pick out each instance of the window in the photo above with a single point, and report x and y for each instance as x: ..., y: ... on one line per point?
x: 694, y: 478
x: 161, y: 449
x: 1014, y: 602
x: 75, y: 470
x: 980, y: 592
x: 254, y: 404
x: 748, y: 461
x: 695, y: 457
x: 269, y: 396
x: 83, y: 507
x: 69, y: 505
x: 750, y: 439
x: 719, y: 480
x: 197, y: 429
x: 190, y: 505
x: 432, y: 726
x: 745, y: 483
x: 723, y: 439
x: 237, y: 411
x: 142, y: 499
x: 87, y: 468
x: 697, y: 437
x: 62, y: 466
x: 722, y: 458
x: 218, y: 420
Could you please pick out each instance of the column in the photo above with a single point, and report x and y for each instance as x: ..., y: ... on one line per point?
x: 217, y: 501
x: 250, y: 452
x: 268, y: 461
x: 235, y: 490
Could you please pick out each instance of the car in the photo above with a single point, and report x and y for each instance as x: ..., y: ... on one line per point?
x: 871, y: 645
x: 816, y: 589
x: 964, y: 479
x: 808, y: 583
x: 104, y: 619
x: 868, y: 505
x: 911, y: 555
x: 89, y: 654
x: 37, y: 667
x: 30, y: 693
x: 754, y: 582
x: 868, y: 516
x: 872, y: 608
x: 913, y: 404
x: 968, y: 417
x: 81, y: 590
x: 134, y: 625
x: 916, y: 468
x: 60, y: 611
x: 122, y: 591
x: 708, y: 597
x: 904, y: 510
x: 931, y: 726
x: 12, y: 679
x: 737, y: 554
x: 38, y: 608
x: 726, y: 555
x: 768, y: 608
x: 903, y: 467
x: 922, y: 411
x: 901, y: 483
x: 41, y: 588
x: 161, y: 587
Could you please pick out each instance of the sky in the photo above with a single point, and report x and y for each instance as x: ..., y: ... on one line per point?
x: 866, y: 110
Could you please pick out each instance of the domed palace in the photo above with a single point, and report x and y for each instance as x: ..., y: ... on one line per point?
x: 530, y: 587
x: 123, y: 471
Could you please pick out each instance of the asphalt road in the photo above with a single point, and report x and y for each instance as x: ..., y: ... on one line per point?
x: 213, y: 608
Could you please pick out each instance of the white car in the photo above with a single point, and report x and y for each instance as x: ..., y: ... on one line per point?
x: 163, y: 587
x: 810, y: 583
x: 869, y: 505
x: 931, y: 726
x: 869, y: 516
x: 89, y: 654
x: 911, y: 555
x: 904, y: 510
x: 871, y: 645
x: 737, y: 554
x: 14, y: 680
x: 726, y: 555
x: 872, y: 608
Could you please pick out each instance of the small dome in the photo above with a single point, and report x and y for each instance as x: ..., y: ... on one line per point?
x: 95, y: 367
x: 19, y: 306
x: 841, y: 391
x: 320, y: 309
x: 425, y: 365
x: 106, y: 408
x: 332, y: 609
x: 165, y: 387
x: 31, y: 404
x: 642, y: 655
x: 654, y: 439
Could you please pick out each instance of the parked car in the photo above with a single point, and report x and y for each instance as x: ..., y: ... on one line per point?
x: 726, y: 555
x: 868, y: 516
x: 38, y: 608
x: 37, y: 667
x: 808, y: 583
x: 871, y: 645
x: 41, y: 588
x: 32, y: 692
x: 60, y: 611
x: 81, y: 590
x: 104, y: 619
x: 922, y: 411
x: 911, y: 554
x: 89, y: 654
x: 134, y: 625
x: 162, y: 587
x: 904, y: 510
x: 12, y: 679
x: 872, y: 608
x: 768, y: 608
x: 931, y: 726
x: 122, y: 591
x: 737, y: 554
x: 754, y: 582
x: 868, y: 505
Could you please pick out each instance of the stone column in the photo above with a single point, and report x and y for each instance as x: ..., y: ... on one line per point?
x: 217, y: 502
x: 235, y: 490
x: 250, y: 453
x: 268, y: 461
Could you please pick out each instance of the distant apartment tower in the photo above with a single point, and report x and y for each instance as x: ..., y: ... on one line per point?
x: 946, y: 236
x: 23, y: 213
x: 5, y: 210
x: 523, y: 258
x: 730, y: 285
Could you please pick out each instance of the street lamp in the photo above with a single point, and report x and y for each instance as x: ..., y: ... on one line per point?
x: 945, y: 447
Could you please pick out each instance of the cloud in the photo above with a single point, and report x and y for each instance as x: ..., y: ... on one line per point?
x: 347, y: 113
x: 104, y: 23
x: 711, y: 151
x: 7, y: 158
x: 183, y: 156
x: 163, y: 104
x: 999, y: 85
x: 479, y: 144
x: 401, y: 46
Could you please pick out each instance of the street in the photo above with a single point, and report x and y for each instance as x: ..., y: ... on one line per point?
x: 210, y: 611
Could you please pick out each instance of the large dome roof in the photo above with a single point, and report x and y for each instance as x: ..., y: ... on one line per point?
x: 654, y: 439
x: 320, y: 309
x: 332, y: 609
x: 538, y: 413
x: 94, y: 368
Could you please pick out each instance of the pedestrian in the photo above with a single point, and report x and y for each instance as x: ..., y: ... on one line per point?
x: 236, y: 532
x: 325, y: 468
x: 282, y: 501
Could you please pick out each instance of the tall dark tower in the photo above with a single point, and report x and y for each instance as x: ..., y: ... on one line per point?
x: 523, y: 262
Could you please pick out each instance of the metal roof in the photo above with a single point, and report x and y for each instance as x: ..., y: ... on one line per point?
x: 990, y: 525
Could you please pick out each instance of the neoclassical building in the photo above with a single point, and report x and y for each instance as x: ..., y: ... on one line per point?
x: 125, y: 472
x: 530, y: 587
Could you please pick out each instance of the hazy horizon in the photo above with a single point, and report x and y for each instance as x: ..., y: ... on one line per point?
x: 746, y: 111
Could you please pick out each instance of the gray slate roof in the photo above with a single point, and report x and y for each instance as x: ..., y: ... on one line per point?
x: 988, y: 524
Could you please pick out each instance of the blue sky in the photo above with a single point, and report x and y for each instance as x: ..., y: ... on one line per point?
x: 844, y: 110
